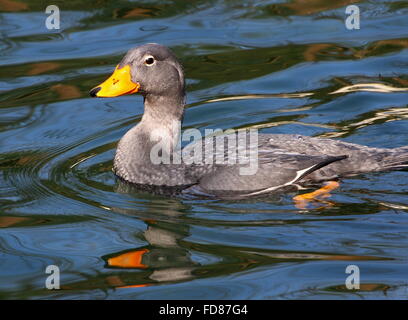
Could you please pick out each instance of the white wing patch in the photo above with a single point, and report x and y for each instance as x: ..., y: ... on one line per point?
x: 299, y: 174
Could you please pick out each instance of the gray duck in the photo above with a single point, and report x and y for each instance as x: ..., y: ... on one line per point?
x: 283, y: 160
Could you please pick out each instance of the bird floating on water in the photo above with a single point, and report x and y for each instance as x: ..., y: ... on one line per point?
x: 282, y: 160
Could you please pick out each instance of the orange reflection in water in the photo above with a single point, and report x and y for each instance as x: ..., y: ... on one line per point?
x: 132, y: 259
x: 10, y: 6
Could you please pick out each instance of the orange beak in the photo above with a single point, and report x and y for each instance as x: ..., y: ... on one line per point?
x: 118, y: 84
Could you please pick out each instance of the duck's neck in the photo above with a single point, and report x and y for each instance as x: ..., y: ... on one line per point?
x: 157, y: 133
x: 159, y: 110
x: 162, y: 119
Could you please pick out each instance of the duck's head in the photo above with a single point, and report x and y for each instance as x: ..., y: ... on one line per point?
x: 150, y: 69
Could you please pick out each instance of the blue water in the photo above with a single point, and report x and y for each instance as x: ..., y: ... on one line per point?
x: 60, y: 203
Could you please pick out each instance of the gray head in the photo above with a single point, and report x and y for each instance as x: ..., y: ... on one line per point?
x: 151, y: 69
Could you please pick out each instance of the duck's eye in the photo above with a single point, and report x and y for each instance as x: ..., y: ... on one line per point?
x: 149, y: 61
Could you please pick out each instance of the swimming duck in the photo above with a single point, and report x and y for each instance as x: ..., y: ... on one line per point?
x: 282, y: 160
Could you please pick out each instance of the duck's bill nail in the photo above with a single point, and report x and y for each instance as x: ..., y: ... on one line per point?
x: 118, y: 84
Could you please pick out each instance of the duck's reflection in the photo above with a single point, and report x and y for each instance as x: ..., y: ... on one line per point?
x: 170, y: 256
x: 164, y: 259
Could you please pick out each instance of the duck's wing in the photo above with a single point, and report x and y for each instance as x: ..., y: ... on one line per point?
x: 271, y: 171
x: 236, y: 163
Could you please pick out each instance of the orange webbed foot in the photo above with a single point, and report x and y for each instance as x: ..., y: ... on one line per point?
x: 302, y: 200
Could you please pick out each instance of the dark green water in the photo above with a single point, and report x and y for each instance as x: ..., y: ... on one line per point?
x: 59, y: 201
